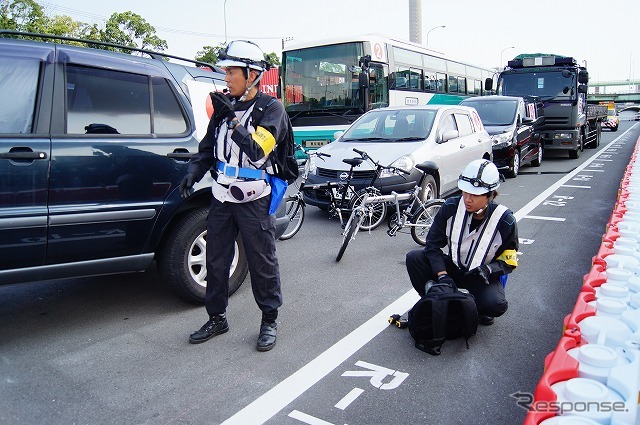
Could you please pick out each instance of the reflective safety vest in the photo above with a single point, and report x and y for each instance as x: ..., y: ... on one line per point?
x: 470, y: 249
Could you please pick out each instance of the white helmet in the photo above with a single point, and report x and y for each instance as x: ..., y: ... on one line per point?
x: 479, y: 177
x: 244, y: 54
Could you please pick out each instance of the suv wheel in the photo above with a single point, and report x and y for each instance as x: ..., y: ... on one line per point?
x: 182, y: 260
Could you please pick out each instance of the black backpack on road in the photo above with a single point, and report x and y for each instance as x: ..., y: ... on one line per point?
x: 443, y: 313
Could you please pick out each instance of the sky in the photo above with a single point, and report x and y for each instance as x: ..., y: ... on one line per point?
x: 604, y: 33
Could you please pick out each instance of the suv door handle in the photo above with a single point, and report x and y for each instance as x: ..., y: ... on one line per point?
x: 461, y: 146
x: 180, y: 153
x: 23, y: 155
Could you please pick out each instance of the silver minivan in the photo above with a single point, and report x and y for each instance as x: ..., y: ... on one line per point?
x: 449, y: 135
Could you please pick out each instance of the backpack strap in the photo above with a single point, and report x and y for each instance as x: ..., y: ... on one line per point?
x: 262, y: 102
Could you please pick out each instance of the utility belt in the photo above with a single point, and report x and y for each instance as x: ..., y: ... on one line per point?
x: 240, y: 172
x: 252, y: 185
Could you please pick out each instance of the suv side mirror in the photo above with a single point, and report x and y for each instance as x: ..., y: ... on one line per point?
x: 337, y: 135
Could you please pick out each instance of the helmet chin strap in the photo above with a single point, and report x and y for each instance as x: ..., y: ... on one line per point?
x: 481, y: 210
x: 249, y: 87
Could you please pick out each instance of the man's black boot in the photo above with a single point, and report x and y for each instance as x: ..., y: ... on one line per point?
x: 267, y: 338
x: 216, y: 325
x: 485, y: 320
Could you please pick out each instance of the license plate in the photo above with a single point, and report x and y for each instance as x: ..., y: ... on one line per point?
x: 337, y: 193
x: 314, y: 143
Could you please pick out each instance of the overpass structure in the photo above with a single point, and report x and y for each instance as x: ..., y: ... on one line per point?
x: 620, y: 92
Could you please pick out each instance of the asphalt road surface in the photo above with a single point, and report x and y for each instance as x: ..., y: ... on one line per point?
x: 114, y: 350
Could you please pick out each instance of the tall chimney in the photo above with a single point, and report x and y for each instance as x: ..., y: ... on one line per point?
x: 415, y: 21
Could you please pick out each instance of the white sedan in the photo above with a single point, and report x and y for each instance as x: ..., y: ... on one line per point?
x: 451, y: 136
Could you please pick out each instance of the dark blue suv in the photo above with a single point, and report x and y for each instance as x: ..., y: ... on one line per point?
x: 93, y: 146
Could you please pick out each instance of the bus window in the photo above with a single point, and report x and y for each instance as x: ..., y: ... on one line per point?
x: 477, y: 87
x: 415, y: 79
x: 442, y: 82
x: 453, y: 84
x: 378, y: 90
x: 462, y: 85
x: 430, y: 81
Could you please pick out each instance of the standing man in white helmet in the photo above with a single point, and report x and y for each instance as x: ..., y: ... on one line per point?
x: 246, y: 127
x: 482, y: 241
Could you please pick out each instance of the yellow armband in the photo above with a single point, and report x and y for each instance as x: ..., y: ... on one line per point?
x: 264, y: 139
x: 509, y: 256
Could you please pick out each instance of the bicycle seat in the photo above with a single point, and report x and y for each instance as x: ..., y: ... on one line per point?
x: 354, y: 162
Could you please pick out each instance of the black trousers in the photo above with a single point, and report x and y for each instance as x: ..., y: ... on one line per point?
x: 490, y: 299
x: 257, y: 228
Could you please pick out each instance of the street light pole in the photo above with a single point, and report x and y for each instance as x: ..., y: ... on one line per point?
x: 503, y: 50
x: 225, y: 22
x: 434, y: 28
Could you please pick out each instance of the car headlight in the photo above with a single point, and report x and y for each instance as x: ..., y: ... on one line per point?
x: 405, y: 162
x: 311, y: 164
x: 502, y: 139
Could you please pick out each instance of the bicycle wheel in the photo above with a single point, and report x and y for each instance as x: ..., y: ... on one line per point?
x: 374, y: 213
x: 423, y: 219
x: 350, y: 231
x: 294, y: 210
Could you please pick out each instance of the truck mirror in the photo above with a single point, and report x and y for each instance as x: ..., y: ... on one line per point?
x: 488, y: 84
x: 566, y: 89
x: 363, y: 80
x: 583, y: 77
x: 582, y: 88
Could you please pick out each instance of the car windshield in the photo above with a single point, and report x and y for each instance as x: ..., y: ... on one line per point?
x: 495, y: 113
x: 392, y: 125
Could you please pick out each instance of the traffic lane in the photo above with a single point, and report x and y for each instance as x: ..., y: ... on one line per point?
x: 505, y: 358
x: 115, y: 348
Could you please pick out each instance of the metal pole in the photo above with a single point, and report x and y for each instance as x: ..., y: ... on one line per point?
x: 434, y: 28
x: 503, y: 50
x: 225, y: 21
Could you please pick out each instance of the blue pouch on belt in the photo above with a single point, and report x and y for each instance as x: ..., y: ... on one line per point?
x: 278, y: 189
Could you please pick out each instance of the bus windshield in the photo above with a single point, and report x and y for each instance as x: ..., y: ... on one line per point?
x: 546, y: 85
x: 322, y: 78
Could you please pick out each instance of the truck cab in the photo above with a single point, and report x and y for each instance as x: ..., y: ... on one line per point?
x: 561, y: 85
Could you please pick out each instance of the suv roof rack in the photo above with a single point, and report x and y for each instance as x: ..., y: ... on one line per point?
x: 89, y: 43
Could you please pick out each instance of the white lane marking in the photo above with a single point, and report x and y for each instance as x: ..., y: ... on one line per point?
x: 576, y: 186
x: 274, y: 400
x: 539, y: 217
x: 524, y: 211
x: 349, y: 398
x: 307, y: 419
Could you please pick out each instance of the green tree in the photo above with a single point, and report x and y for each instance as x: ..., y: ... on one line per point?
x: 65, y: 26
x: 210, y: 54
x: 130, y: 29
x: 273, y: 58
x: 22, y: 15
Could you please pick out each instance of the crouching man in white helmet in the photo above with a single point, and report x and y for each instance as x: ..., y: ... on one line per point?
x: 246, y: 127
x: 482, y: 240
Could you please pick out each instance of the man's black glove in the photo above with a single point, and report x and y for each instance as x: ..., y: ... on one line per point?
x: 447, y: 280
x: 481, y: 272
x: 186, y: 185
x: 222, y: 107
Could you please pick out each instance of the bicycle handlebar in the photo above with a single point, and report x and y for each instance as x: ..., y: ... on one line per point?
x: 366, y: 156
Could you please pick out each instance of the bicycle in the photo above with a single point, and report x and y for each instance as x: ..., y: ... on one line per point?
x: 342, y: 195
x: 413, y: 212
x: 295, y: 205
